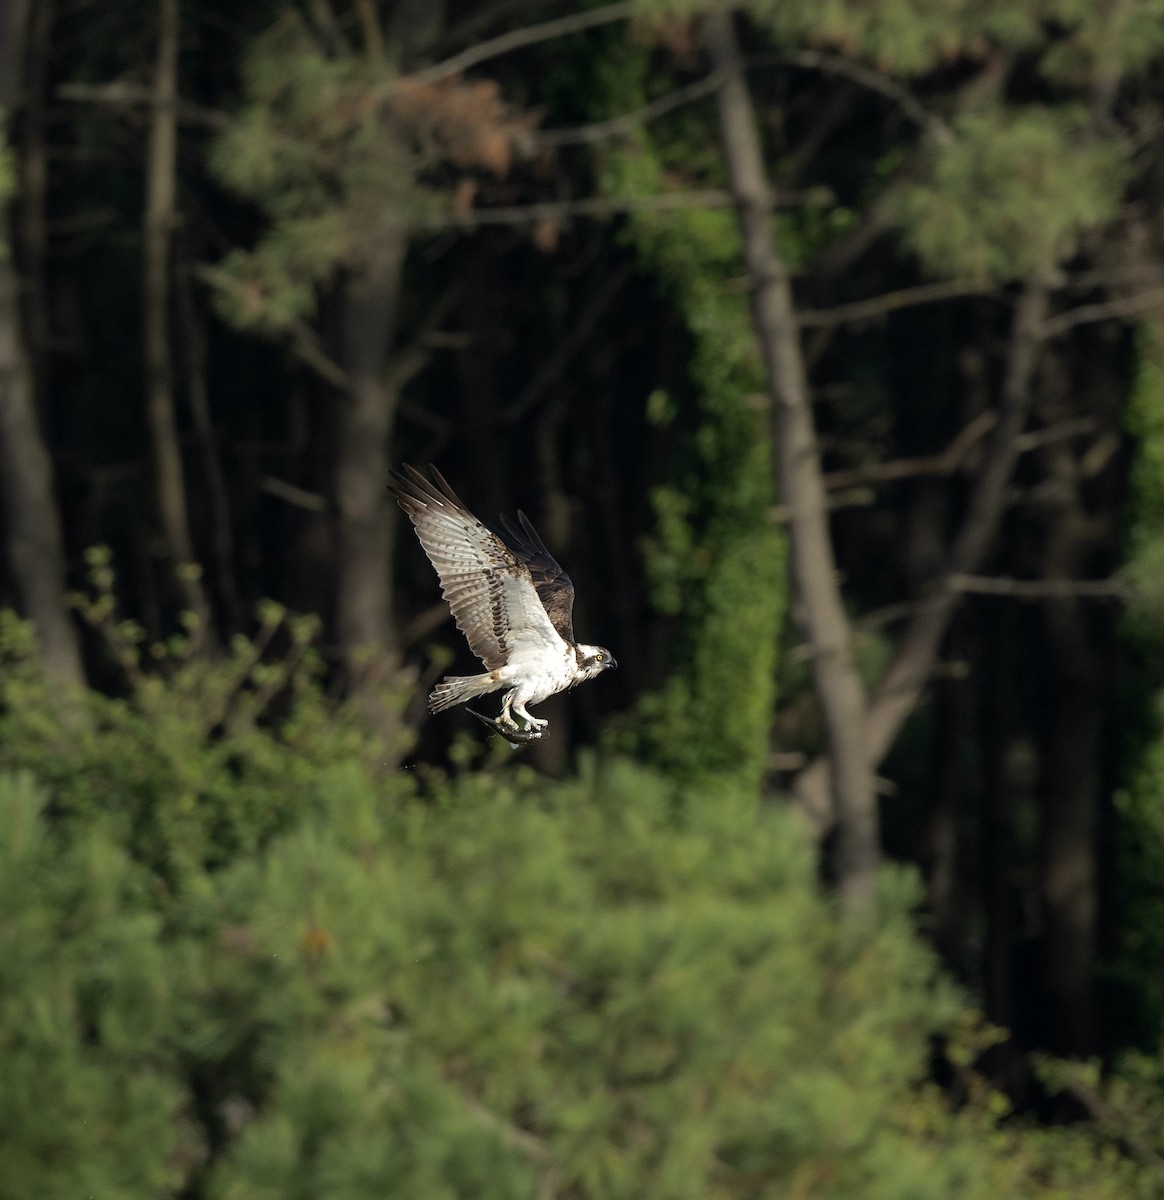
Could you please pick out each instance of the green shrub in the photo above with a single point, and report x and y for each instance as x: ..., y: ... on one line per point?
x: 87, y: 1105
x: 342, y: 986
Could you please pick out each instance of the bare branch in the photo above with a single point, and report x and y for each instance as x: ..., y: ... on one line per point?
x: 470, y: 28
x: 859, y: 497
x: 1063, y: 431
x: 1039, y: 589
x: 834, y: 64
x: 810, y: 59
x: 303, y: 340
x: 410, y: 360
x: 305, y: 344
x: 293, y: 494
x: 591, y: 206
x: 894, y: 698
x: 565, y: 350
x: 122, y: 94
x: 1113, y: 1121
x: 899, y: 689
x: 530, y: 35
x: 880, y: 306
x: 849, y: 489
x: 1122, y: 307
x: 601, y: 130
x: 932, y: 464
x: 520, y: 1140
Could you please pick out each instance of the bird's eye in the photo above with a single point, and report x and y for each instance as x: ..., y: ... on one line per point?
x: 600, y: 657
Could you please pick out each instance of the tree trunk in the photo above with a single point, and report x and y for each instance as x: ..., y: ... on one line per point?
x: 33, y: 168
x: 1069, y: 783
x: 798, y: 472
x: 1069, y: 815
x: 32, y: 524
x: 193, y: 340
x: 1000, y: 729
x: 161, y: 186
x: 368, y: 644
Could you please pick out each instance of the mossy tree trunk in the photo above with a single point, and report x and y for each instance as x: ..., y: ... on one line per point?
x: 799, y: 477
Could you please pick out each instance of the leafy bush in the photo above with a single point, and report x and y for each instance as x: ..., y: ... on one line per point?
x: 87, y: 1106
x: 344, y: 987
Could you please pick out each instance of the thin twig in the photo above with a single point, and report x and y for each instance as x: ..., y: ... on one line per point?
x: 868, y: 78
x: 293, y: 494
x: 880, y: 306
x: 566, y: 349
x: 590, y: 206
x: 120, y: 94
x: 1039, y: 589
x: 517, y: 1139
x: 945, y: 463
x: 1054, y: 433
x: 1118, y: 309
x: 599, y: 131
x: 305, y: 344
x: 530, y: 35
x: 1104, y: 1116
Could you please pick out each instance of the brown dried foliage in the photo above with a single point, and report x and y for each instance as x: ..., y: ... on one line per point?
x: 465, y: 123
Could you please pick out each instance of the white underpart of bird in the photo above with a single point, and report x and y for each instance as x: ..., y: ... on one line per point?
x: 508, y: 596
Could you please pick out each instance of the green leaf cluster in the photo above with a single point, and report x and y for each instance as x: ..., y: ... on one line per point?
x: 1073, y: 40
x: 902, y: 37
x: 1011, y: 193
x: 202, y: 759
x: 84, y: 998
x: 315, y: 146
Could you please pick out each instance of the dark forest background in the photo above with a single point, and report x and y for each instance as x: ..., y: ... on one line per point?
x: 824, y: 344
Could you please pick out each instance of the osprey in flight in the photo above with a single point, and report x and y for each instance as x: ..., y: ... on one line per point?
x: 510, y: 599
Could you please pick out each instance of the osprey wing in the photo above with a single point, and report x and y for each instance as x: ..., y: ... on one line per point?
x: 554, y: 587
x: 489, y: 589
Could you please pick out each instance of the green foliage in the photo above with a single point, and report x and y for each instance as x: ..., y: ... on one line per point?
x: 309, y: 147
x: 1011, y: 193
x: 86, y: 1106
x: 905, y: 37
x: 1123, y: 38
x: 716, y: 556
x: 913, y: 37
x: 612, y: 986
x: 204, y: 758
x: 335, y: 146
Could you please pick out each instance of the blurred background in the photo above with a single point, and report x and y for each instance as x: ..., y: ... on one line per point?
x: 269, y: 930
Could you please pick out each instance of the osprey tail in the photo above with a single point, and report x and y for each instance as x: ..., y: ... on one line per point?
x: 456, y: 689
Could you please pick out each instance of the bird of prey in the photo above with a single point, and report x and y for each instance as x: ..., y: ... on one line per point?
x: 510, y: 599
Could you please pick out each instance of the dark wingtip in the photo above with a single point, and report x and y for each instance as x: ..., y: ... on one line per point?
x: 411, y: 487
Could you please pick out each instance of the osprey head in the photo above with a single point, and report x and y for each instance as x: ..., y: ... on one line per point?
x: 593, y: 660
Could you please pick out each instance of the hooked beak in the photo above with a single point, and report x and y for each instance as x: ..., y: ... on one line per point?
x: 612, y: 664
